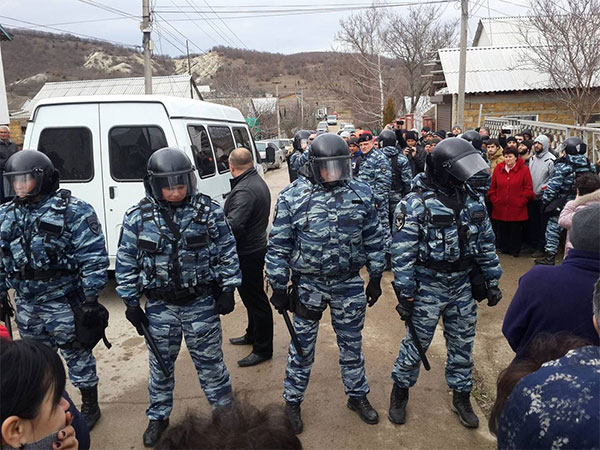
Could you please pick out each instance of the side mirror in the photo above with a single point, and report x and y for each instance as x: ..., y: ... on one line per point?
x: 270, y: 154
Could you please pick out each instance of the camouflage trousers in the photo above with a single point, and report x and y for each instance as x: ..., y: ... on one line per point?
x: 199, y: 323
x: 445, y: 295
x: 52, y: 323
x: 347, y: 303
x: 383, y: 212
x: 552, y: 235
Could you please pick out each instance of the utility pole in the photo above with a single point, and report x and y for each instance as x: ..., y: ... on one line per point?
x: 187, y: 48
x: 278, y: 120
x: 147, y: 44
x: 302, y: 106
x: 462, y: 63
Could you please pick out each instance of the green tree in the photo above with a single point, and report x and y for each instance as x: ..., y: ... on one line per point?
x: 389, y: 112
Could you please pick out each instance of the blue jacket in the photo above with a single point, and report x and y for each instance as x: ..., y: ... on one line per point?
x: 554, y: 299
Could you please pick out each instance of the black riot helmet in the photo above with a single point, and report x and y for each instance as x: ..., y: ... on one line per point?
x: 453, y: 161
x: 330, y: 160
x: 387, y: 138
x: 29, y: 173
x: 574, y: 146
x: 473, y: 137
x: 301, y: 135
x: 169, y: 168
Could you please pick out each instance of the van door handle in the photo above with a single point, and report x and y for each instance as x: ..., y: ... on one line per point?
x: 111, y: 192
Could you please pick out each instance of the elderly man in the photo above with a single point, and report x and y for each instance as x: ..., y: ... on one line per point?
x: 7, y: 148
x: 247, y: 210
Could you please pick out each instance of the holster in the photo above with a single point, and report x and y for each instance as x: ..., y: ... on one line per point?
x: 478, y: 283
x: 297, y: 307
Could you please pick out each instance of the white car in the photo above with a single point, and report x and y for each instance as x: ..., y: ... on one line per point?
x: 348, y: 127
x: 332, y: 119
x: 322, y: 126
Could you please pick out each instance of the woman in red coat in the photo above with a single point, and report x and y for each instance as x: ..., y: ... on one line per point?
x: 509, y: 193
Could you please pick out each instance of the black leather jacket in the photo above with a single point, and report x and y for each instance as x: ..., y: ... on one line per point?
x: 7, y: 149
x: 247, y: 210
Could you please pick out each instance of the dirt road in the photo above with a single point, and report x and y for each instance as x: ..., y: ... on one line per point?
x: 329, y: 424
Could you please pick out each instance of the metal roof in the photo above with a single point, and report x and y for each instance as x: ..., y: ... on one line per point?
x: 492, y: 69
x: 506, y: 31
x: 176, y: 107
x: 5, y: 35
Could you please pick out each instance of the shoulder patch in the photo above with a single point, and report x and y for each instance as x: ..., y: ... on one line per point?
x: 93, y: 224
x: 400, y: 218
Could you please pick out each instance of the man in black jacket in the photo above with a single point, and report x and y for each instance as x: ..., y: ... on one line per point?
x: 247, y: 210
x: 7, y: 148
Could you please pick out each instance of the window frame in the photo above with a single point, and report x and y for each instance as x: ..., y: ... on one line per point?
x: 212, y: 150
x: 221, y: 125
x: 91, y: 135
x: 110, y: 165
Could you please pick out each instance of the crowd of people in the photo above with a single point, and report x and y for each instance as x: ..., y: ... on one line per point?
x: 432, y: 207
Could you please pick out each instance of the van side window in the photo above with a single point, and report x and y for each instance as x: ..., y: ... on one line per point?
x: 242, y: 139
x: 203, y: 155
x: 70, y: 150
x: 129, y: 149
x: 222, y: 142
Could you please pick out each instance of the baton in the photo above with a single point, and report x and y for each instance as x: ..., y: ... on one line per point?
x: 413, y: 332
x: 155, y: 351
x: 290, y: 327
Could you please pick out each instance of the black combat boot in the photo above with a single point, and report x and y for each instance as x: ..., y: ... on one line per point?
x: 292, y: 410
x: 546, y: 260
x: 89, y: 408
x: 461, y: 405
x: 364, y: 409
x: 398, y: 402
x: 154, y: 431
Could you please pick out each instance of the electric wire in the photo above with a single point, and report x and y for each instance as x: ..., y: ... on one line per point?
x: 216, y: 30
x: 227, y: 26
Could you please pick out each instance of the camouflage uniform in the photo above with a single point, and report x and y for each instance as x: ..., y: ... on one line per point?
x: 401, y: 176
x: 562, y: 184
x: 298, y: 159
x: 177, y: 276
x: 376, y: 171
x: 432, y: 266
x: 324, y: 237
x: 53, y: 251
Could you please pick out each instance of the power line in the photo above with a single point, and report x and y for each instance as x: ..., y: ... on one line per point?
x: 180, y: 33
x: 227, y: 26
x: 69, y: 32
x: 216, y: 30
x: 198, y: 26
x: 108, y: 19
x: 160, y: 30
x: 109, y: 9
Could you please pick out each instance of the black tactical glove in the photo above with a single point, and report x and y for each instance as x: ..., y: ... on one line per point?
x: 373, y: 291
x: 405, y: 308
x: 225, y: 302
x: 137, y: 317
x: 280, y: 300
x: 494, y: 295
x: 90, y: 309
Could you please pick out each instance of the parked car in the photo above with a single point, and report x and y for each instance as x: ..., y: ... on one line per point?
x: 331, y: 119
x: 101, y: 145
x: 261, y: 147
x: 322, y: 126
x: 348, y: 127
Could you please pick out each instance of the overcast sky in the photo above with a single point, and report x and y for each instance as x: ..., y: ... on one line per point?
x: 236, y: 23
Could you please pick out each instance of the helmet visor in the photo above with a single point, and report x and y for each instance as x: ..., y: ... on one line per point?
x: 466, y: 165
x: 23, y: 184
x: 173, y: 187
x: 332, y: 170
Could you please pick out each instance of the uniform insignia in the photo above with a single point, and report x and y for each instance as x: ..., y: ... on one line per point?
x: 400, y: 219
x: 93, y: 224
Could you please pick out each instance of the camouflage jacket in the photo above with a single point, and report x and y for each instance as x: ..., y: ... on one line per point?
x: 426, y: 231
x: 401, y: 172
x: 298, y: 159
x: 562, y: 182
x: 376, y: 171
x: 151, y: 257
x: 58, y: 233
x: 323, y: 233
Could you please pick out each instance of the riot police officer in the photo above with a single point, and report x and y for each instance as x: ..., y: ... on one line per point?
x: 400, y: 166
x: 297, y: 158
x: 561, y: 188
x: 177, y: 249
x: 54, y: 257
x: 482, y: 180
x: 442, y: 235
x: 325, y: 230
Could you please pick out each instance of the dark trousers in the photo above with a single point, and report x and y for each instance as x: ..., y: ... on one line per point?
x: 536, y: 225
x: 509, y: 236
x: 260, y: 315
